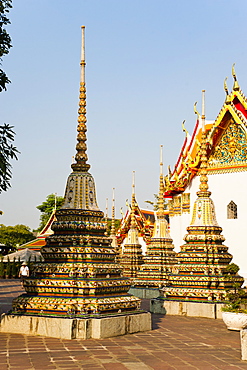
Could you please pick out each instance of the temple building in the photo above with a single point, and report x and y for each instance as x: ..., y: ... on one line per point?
x: 144, y: 224
x: 226, y: 152
x: 79, y: 278
x: 40, y: 241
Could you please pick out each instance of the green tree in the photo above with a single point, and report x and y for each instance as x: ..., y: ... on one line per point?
x: 14, y: 269
x: 155, y: 203
x: 8, y: 269
x: 7, y: 150
x: 2, y: 269
x: 13, y: 235
x: 5, y: 40
x: 46, y: 208
x: 109, y: 224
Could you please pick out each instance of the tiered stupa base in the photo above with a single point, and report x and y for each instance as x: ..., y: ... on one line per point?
x: 211, y: 310
x: 74, y: 328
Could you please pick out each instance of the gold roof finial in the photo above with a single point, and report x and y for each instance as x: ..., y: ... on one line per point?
x: 196, y: 111
x: 236, y: 85
x: 81, y: 158
x: 225, y: 86
x: 184, y: 129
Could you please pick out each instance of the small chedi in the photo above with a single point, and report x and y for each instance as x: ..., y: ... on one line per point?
x: 79, y: 276
x: 201, y: 274
x: 160, y: 258
x: 132, y: 257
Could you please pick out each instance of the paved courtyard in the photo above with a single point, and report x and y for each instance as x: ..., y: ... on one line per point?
x: 174, y: 343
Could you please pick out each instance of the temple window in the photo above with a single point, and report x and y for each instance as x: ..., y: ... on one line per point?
x: 232, y: 210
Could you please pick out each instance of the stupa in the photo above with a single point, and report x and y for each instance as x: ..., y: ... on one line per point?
x: 160, y: 258
x: 79, y: 290
x: 132, y: 258
x: 201, y: 276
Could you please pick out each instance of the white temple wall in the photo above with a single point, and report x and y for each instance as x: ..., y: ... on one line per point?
x: 225, y: 188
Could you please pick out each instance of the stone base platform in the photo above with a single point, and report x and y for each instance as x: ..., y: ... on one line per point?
x: 147, y: 293
x: 183, y: 308
x: 69, y: 328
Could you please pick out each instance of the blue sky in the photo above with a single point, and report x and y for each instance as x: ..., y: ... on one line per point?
x: 147, y: 62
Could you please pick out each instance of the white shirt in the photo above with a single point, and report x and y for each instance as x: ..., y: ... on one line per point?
x: 24, y: 270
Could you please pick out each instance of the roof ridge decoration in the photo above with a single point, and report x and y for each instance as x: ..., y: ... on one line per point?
x: 188, y: 163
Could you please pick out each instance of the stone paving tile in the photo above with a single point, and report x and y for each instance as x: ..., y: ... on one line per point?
x: 175, y: 343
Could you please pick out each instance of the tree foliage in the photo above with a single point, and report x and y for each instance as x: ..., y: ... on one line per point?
x: 5, y: 39
x: 13, y: 235
x: 7, y: 151
x: 46, y: 208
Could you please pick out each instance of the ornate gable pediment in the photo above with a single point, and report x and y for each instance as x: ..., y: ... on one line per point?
x: 230, y: 152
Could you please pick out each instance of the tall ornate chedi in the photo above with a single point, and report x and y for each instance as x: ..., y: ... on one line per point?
x: 132, y: 258
x: 201, y: 270
x: 79, y: 275
x: 160, y: 256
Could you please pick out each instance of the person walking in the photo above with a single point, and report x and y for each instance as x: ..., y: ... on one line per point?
x: 24, y: 272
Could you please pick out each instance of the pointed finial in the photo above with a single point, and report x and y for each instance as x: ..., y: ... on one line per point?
x: 184, y: 129
x: 133, y: 183
x: 161, y: 185
x: 195, y: 110
x: 55, y: 201
x: 113, y: 231
x: 203, y: 187
x: 81, y: 158
x: 106, y: 209
x: 161, y: 160
x: 203, y: 110
x: 236, y: 85
x: 225, y: 86
x: 133, y: 201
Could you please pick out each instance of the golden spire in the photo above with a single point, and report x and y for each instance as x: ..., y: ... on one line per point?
x: 203, y: 110
x: 236, y: 85
x: 113, y: 231
x: 204, y: 161
x: 161, y: 186
x: 133, y: 232
x: 203, y: 211
x: 160, y: 225
x: 81, y: 164
x: 133, y: 202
